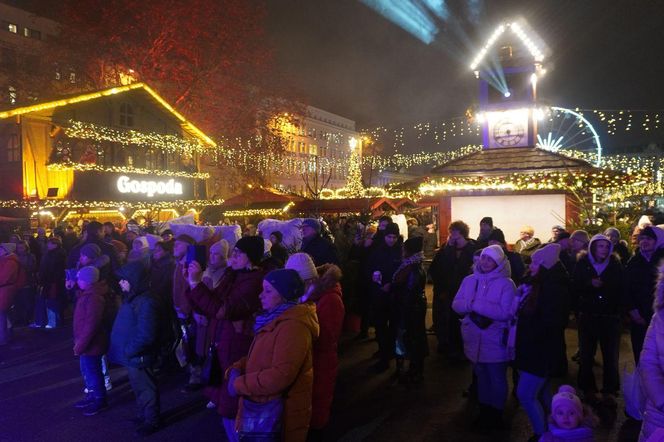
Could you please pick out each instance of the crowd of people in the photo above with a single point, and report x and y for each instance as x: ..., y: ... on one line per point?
x: 257, y: 327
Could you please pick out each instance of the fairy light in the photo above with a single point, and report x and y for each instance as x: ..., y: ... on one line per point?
x: 124, y: 169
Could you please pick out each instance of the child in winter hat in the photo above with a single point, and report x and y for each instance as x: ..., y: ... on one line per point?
x: 569, y: 419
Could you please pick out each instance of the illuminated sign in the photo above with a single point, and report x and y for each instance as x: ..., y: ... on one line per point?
x: 508, y: 128
x: 150, y: 188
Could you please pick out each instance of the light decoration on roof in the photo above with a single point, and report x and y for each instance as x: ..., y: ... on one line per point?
x: 125, y: 169
x: 39, y: 205
x: 519, y: 31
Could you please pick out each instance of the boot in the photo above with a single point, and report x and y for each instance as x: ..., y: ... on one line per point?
x: 481, y: 422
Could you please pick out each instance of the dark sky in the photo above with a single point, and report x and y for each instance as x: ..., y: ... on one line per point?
x: 347, y: 59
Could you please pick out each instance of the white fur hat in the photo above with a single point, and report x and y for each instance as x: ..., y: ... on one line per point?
x: 547, y: 255
x: 303, y: 265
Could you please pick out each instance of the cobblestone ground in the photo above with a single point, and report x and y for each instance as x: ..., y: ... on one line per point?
x: 40, y: 381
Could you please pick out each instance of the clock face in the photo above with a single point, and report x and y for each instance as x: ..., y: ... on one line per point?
x: 508, y: 132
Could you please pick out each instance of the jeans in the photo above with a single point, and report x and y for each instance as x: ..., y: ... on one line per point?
x: 604, y: 329
x: 92, y: 376
x: 229, y: 428
x: 144, y: 384
x: 534, y: 394
x: 4, y: 332
x: 491, y: 383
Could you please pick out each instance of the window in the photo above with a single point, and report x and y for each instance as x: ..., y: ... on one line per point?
x: 7, y: 58
x: 72, y: 77
x: 35, y: 34
x: 26, y: 32
x: 11, y: 27
x: 151, y: 160
x: 13, y: 150
x: 12, y: 95
x: 126, y: 115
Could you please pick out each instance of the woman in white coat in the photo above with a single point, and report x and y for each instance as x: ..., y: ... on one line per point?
x: 651, y: 366
x: 485, y: 300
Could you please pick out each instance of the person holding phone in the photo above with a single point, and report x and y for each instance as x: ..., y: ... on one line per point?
x: 229, y: 309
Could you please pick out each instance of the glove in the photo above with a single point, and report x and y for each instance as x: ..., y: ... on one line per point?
x: 231, y: 379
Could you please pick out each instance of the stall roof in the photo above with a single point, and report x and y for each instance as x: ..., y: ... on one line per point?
x: 348, y: 205
x: 257, y: 197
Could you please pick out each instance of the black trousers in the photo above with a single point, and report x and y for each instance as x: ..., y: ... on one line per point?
x: 605, y: 330
x: 144, y: 384
x: 638, y: 335
x: 383, y: 317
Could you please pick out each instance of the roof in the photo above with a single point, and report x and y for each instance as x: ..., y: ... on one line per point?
x: 348, y: 205
x: 258, y: 198
x: 526, y: 35
x: 507, y: 160
x: 186, y: 125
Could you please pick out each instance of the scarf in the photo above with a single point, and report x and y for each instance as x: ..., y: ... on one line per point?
x: 413, y: 259
x: 266, y: 317
x: 578, y: 433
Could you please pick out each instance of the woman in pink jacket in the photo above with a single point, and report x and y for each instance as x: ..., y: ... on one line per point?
x: 10, y: 281
x: 651, y: 366
x: 484, y: 300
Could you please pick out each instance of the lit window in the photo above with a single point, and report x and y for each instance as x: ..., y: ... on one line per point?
x: 26, y: 32
x: 126, y: 115
x: 12, y: 28
x: 12, y: 95
x: 72, y: 77
x: 13, y: 150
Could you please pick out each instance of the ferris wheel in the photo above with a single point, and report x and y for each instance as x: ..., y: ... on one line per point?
x: 559, y: 128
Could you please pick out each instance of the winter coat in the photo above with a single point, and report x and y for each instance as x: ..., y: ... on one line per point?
x: 527, y: 248
x: 623, y: 252
x: 180, y: 287
x: 385, y: 260
x: 136, y: 330
x: 491, y: 295
x: 640, y: 280
x: 279, y: 253
x: 51, y: 274
x: 321, y: 250
x: 410, y: 307
x: 29, y: 266
x: 106, y: 249
x: 161, y: 278
x: 90, y: 334
x: 516, y: 265
x: 605, y: 300
x: 279, y: 364
x: 541, y: 322
x: 11, y: 280
x: 651, y: 371
x: 447, y: 270
x: 230, y: 309
x: 330, y: 312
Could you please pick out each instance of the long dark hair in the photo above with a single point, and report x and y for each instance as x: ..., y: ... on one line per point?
x: 535, y: 281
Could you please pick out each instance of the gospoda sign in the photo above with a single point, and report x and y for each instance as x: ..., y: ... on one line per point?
x: 131, y: 187
x: 148, y: 187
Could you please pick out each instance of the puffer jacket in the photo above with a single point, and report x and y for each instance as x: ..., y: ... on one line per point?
x: 90, y: 334
x: 651, y: 371
x: 230, y: 309
x: 10, y: 280
x: 280, y: 364
x: 606, y: 300
x: 330, y: 312
x: 491, y: 295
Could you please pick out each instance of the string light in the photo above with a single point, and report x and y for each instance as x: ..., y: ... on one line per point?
x: 40, y: 205
x: 125, y: 169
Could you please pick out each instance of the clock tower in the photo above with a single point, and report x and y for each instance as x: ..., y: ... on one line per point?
x: 508, y: 68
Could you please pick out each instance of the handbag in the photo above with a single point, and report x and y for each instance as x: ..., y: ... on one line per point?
x: 211, y: 370
x: 481, y: 321
x: 261, y: 421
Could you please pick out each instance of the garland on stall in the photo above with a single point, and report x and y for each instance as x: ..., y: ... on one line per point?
x: 124, y: 169
x: 39, y: 205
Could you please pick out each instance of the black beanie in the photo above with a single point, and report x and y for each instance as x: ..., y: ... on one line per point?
x: 253, y: 247
x: 413, y: 245
x: 497, y: 235
x: 391, y: 229
x: 649, y: 232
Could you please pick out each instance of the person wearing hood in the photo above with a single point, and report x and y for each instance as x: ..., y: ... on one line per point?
x: 408, y: 285
x: 651, y: 367
x: 540, y: 312
x: 597, y: 294
x: 229, y: 309
x: 279, y: 365
x: 619, y: 245
x: 321, y: 250
x: 135, y: 342
x: 383, y: 261
x: 11, y: 280
x: 485, y: 302
x: 322, y: 286
x: 640, y: 279
x: 91, y: 337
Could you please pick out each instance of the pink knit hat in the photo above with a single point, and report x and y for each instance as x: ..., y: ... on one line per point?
x: 567, y: 396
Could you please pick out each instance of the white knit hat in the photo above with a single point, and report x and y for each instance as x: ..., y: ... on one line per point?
x: 547, y: 255
x: 494, y: 252
x: 567, y: 396
x: 303, y: 265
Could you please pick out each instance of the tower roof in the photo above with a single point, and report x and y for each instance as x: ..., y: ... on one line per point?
x: 525, y: 34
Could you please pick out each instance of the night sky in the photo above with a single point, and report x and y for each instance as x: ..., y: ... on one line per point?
x: 348, y: 59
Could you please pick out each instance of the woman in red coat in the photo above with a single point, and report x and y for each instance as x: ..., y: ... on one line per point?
x: 10, y: 281
x: 230, y: 309
x: 323, y: 289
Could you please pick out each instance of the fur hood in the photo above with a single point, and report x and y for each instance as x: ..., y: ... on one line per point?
x: 329, y: 276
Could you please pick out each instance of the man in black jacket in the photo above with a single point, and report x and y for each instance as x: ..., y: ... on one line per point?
x: 452, y: 263
x: 94, y: 236
x: 640, y: 280
x: 320, y: 249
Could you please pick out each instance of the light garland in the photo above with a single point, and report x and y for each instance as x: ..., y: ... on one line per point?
x: 257, y: 212
x: 125, y: 169
x: 40, y: 205
x: 166, y: 143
